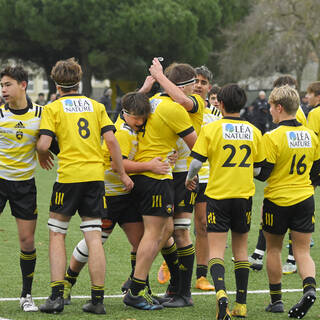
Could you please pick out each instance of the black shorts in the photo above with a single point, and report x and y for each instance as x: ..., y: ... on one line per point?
x: 201, y: 197
x: 153, y: 197
x: 86, y: 197
x: 184, y: 199
x: 122, y: 209
x: 22, y: 197
x: 299, y: 217
x: 225, y: 214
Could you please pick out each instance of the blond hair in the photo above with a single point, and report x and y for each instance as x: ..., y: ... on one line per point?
x: 287, y: 97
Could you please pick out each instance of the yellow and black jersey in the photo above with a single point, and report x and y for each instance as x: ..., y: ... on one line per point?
x: 19, y: 130
x: 128, y: 141
x: 232, y: 147
x: 314, y: 120
x: 210, y: 114
x: 301, y: 117
x: 196, y: 117
x: 167, y: 121
x: 292, y: 149
x: 78, y: 123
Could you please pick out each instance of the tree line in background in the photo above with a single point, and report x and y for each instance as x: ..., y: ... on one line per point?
x: 117, y: 39
x: 114, y: 39
x: 276, y: 36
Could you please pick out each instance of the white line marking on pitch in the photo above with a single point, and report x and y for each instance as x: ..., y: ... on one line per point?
x: 121, y: 296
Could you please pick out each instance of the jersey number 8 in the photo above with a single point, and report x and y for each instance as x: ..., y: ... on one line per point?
x: 83, y: 129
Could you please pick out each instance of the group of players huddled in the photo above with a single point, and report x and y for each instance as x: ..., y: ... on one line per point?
x: 183, y: 150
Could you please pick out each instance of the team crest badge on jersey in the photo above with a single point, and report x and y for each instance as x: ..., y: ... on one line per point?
x: 169, y: 208
x: 19, y: 134
x: 77, y: 105
x: 237, y: 131
x: 299, y: 139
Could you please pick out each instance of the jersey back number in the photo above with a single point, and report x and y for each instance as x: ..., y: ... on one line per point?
x: 229, y: 162
x: 83, y: 128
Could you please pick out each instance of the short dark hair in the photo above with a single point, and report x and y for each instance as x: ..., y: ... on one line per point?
x: 205, y: 72
x: 285, y: 79
x: 214, y: 90
x: 233, y: 97
x: 136, y: 103
x: 17, y: 73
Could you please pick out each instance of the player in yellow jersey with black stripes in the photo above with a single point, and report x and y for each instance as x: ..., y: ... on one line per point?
x: 181, y: 247
x: 293, y: 161
x: 121, y: 207
x: 232, y: 147
x: 19, y: 130
x: 154, y: 192
x: 78, y: 123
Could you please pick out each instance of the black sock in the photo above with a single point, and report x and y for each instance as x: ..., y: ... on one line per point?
x: 97, y: 294
x: 309, y: 283
x: 57, y: 288
x: 275, y: 292
x: 27, y: 266
x: 137, y: 285
x: 170, y: 256
x: 216, y: 266
x: 186, y: 260
x: 261, y: 245
x: 202, y: 270
x: 71, y: 276
x: 133, y: 256
x: 241, y: 271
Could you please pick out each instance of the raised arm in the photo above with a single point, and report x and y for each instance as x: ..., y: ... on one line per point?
x: 170, y: 88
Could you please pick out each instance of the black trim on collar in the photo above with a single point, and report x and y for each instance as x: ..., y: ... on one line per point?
x: 290, y: 123
x: 20, y: 111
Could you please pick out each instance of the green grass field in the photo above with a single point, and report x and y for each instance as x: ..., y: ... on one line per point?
x: 118, y: 268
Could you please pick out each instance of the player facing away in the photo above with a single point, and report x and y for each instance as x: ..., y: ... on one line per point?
x: 78, y: 123
x: 256, y: 259
x: 232, y: 147
x: 121, y: 207
x: 19, y: 130
x: 292, y: 164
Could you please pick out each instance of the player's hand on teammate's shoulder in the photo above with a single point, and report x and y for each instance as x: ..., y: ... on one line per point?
x: 128, y: 183
x: 46, y: 160
x: 192, y: 183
